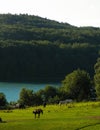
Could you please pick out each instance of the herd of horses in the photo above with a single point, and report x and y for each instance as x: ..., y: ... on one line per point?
x: 39, y: 111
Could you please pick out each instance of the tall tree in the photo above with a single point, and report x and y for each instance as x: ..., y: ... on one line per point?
x: 77, y: 85
x: 26, y: 97
x: 29, y: 97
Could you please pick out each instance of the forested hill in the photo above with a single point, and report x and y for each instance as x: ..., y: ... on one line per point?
x: 35, y: 49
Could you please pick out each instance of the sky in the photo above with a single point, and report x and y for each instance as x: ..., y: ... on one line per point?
x: 75, y: 12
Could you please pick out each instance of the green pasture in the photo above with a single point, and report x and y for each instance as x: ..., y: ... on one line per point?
x: 75, y: 116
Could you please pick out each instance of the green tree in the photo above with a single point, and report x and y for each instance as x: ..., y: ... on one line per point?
x: 29, y: 98
x: 77, y: 85
x: 3, y: 100
x: 97, y: 77
x: 50, y: 92
x: 26, y: 97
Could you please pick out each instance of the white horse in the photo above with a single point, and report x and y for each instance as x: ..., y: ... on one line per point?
x: 65, y: 101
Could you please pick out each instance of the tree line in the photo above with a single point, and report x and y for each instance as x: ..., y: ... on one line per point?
x: 35, y: 49
x: 43, y: 62
x: 76, y: 85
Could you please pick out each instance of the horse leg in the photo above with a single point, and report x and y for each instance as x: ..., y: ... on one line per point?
x: 35, y: 115
x: 38, y: 115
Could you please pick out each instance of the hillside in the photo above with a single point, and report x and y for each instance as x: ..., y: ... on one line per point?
x: 35, y: 49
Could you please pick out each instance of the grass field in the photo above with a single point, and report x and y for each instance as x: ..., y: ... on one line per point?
x: 76, y: 116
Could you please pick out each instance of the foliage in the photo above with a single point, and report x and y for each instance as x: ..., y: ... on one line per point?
x: 97, y: 77
x: 48, y: 95
x: 28, y: 98
x: 38, y: 49
x: 3, y: 101
x: 77, y: 85
x: 51, y: 94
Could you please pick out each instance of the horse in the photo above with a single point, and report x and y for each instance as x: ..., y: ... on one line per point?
x: 65, y: 101
x: 0, y: 119
x: 38, y: 112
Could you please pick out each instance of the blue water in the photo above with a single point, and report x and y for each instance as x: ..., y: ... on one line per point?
x: 12, y: 90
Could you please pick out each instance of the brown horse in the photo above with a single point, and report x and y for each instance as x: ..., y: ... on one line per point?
x: 37, y: 112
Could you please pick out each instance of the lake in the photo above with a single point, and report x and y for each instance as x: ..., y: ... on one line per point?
x: 12, y: 90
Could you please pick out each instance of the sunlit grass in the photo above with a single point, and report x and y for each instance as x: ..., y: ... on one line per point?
x: 74, y: 116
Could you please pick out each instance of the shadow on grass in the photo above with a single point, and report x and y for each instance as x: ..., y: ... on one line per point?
x: 3, y: 122
x: 87, y: 126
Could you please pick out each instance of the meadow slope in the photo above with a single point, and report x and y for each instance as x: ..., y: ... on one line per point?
x: 75, y: 116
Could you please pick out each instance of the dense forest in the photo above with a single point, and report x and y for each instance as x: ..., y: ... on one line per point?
x: 35, y: 49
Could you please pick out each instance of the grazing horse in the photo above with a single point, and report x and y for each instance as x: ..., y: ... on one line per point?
x: 65, y: 101
x: 37, y: 112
